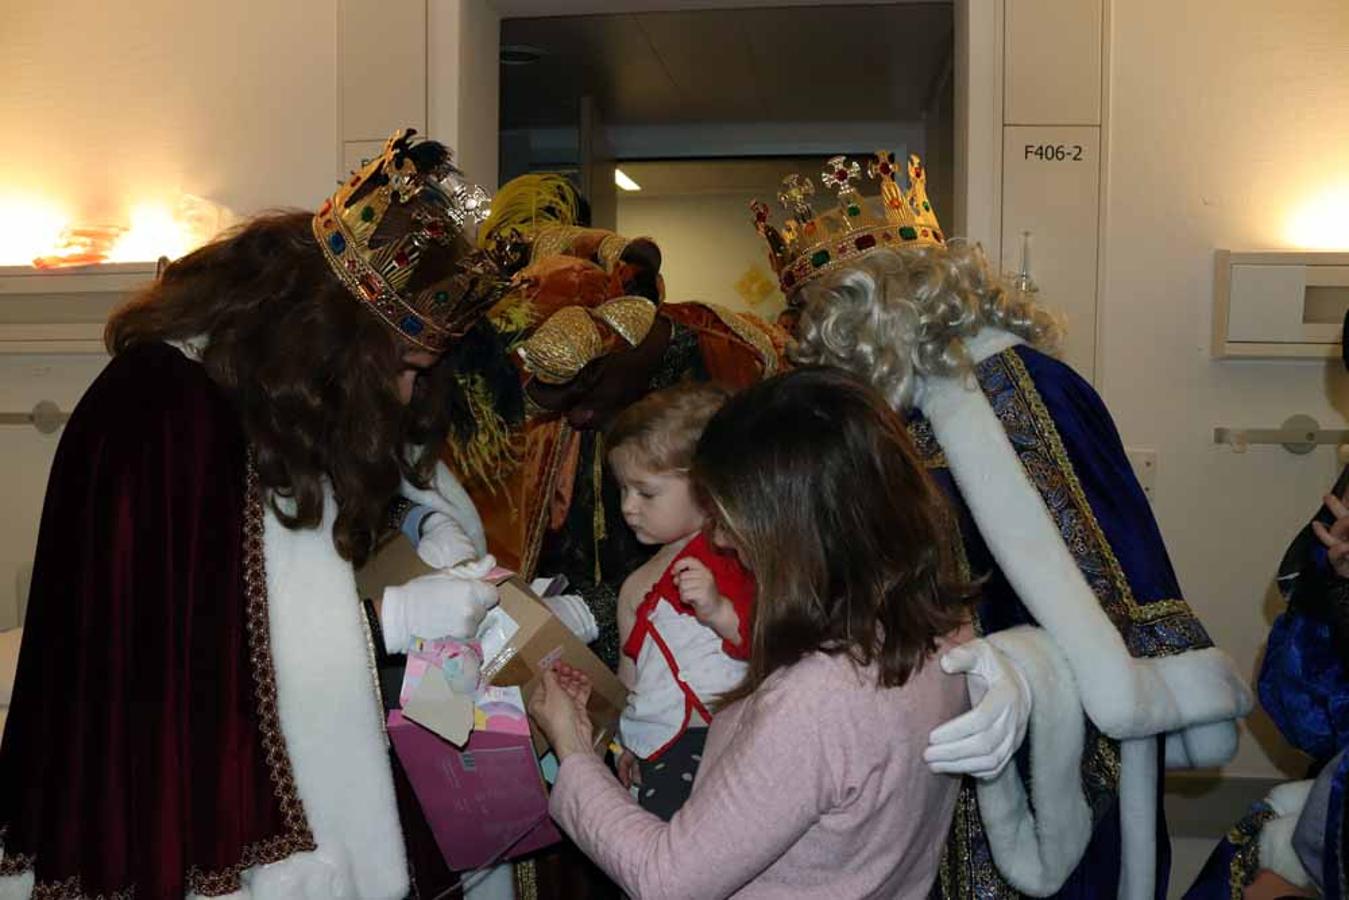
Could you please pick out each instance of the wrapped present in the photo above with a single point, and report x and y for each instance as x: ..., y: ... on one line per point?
x: 485, y: 802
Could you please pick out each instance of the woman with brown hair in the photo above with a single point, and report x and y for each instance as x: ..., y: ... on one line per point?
x: 812, y: 782
x: 194, y: 710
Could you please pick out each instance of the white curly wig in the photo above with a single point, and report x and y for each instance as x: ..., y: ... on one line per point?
x: 898, y: 314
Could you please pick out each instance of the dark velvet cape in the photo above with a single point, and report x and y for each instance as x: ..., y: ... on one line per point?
x: 136, y: 753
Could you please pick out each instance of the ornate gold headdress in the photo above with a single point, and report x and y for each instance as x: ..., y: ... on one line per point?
x: 810, y: 244
x: 388, y: 231
x: 569, y: 305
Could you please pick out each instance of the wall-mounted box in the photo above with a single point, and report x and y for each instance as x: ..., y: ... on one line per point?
x: 1279, y: 304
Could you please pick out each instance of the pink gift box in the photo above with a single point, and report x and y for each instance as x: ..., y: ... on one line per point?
x: 486, y: 803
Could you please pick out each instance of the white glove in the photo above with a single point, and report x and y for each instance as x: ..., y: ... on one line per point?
x: 474, y: 568
x: 444, y: 543
x: 434, y: 606
x: 575, y: 614
x: 982, y: 741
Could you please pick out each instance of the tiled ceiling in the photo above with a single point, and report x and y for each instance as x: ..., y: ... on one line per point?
x: 793, y: 64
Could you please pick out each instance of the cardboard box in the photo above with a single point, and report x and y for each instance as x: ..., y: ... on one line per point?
x: 485, y: 804
x: 540, y: 640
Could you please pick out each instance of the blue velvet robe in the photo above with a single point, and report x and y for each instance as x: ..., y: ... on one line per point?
x: 1072, y: 454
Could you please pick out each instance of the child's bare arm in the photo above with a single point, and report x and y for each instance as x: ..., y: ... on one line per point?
x: 627, y: 617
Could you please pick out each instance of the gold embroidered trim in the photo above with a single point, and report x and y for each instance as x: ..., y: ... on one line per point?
x: 372, y: 663
x: 925, y: 443
x: 597, y: 486
x: 526, y: 880
x: 296, y: 838
x: 1245, y: 864
x: 529, y: 556
x: 71, y: 889
x: 1150, y: 612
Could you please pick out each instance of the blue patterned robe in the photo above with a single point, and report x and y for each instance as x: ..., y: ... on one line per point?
x: 1073, y: 456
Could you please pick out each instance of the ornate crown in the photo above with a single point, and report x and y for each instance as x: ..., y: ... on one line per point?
x: 809, y: 245
x: 398, y: 233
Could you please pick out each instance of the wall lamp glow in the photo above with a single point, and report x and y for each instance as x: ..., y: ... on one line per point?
x: 626, y: 183
x: 1322, y: 222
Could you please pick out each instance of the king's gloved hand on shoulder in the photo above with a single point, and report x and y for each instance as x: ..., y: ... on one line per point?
x: 982, y: 741
x: 441, y: 604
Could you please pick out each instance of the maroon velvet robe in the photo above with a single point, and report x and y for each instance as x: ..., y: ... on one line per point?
x: 142, y: 749
x: 134, y: 753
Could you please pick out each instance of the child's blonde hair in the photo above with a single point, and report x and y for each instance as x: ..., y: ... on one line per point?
x: 660, y: 431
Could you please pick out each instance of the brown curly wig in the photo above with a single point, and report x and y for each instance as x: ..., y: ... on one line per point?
x: 312, y: 371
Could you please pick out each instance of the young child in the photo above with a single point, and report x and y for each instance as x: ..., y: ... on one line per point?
x: 683, y: 616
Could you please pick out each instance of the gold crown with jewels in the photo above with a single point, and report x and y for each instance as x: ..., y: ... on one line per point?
x: 809, y: 244
x: 399, y: 234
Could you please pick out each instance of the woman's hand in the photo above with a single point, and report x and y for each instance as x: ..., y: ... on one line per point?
x: 1336, y: 537
x: 559, y: 708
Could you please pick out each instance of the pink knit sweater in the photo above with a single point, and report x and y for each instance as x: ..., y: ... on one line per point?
x: 813, y: 787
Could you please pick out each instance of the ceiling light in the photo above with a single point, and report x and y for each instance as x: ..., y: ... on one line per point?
x: 622, y: 180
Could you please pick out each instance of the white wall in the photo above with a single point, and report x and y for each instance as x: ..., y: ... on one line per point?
x: 463, y: 91
x: 1225, y: 120
x: 707, y: 244
x: 106, y: 105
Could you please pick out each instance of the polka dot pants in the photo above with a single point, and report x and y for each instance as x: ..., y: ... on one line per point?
x: 667, y: 780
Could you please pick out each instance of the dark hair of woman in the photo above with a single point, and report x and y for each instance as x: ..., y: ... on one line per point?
x: 312, y: 372
x: 814, y: 480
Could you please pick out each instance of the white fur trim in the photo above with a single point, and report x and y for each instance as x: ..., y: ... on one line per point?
x: 17, y: 887
x: 1138, y: 818
x: 990, y: 342
x: 1125, y: 697
x: 1289, y: 798
x: 192, y: 347
x: 448, y: 496
x: 1037, y: 851
x: 1276, y: 837
x: 1201, y: 746
x: 332, y: 721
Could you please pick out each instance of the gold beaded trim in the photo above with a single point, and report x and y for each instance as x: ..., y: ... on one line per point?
x: 1149, y: 612
x: 538, y: 523
x: 296, y: 838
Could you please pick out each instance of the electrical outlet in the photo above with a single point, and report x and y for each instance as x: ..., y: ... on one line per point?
x: 1144, y: 463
